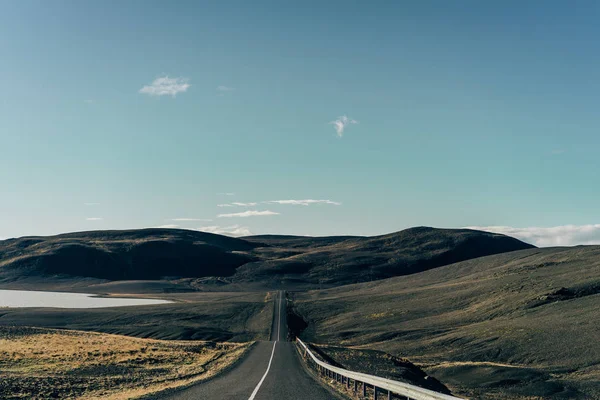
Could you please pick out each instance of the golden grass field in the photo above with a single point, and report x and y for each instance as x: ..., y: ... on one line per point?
x: 38, y: 363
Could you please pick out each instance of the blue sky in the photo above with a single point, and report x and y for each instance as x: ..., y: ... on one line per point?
x: 135, y: 114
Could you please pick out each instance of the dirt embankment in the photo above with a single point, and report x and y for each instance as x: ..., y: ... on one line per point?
x: 366, y: 361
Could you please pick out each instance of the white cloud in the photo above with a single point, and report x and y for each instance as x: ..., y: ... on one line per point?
x: 237, y: 204
x: 250, y: 213
x: 565, y: 235
x: 341, y: 123
x: 225, y: 88
x: 190, y: 219
x: 88, y: 101
x: 226, y: 194
x: 94, y: 219
x: 233, y: 230
x: 91, y: 204
x: 303, y: 202
x: 168, y: 226
x: 166, y: 86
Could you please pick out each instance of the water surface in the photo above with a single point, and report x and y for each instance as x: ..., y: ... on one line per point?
x: 30, y: 298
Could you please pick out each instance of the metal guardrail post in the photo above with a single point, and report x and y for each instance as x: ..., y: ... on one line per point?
x: 364, y: 389
x: 374, y: 392
x: 355, y: 385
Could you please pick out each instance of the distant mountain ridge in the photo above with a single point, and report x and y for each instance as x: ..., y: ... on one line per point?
x: 352, y: 259
x: 121, y: 255
x: 158, y: 253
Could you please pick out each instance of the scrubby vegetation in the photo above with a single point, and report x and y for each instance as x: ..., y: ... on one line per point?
x: 43, y: 363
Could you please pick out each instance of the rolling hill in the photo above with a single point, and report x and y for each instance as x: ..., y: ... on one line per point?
x: 152, y: 254
x: 518, y: 325
x: 347, y: 259
x: 124, y: 255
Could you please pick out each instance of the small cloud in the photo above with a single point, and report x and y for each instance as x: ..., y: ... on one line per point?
x: 303, y: 202
x: 225, y: 89
x: 233, y: 230
x: 88, y: 101
x: 166, y: 86
x: 565, y: 235
x: 226, y: 194
x: 94, y: 219
x: 237, y: 204
x: 250, y: 213
x: 341, y: 123
x: 190, y: 219
x: 91, y: 204
x: 168, y: 226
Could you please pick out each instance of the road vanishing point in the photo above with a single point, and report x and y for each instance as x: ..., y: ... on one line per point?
x: 270, y: 370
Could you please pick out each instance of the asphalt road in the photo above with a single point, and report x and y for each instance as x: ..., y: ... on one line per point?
x: 271, y: 370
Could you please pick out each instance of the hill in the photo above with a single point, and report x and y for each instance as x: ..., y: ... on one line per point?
x: 517, y: 325
x: 272, y: 261
x: 350, y: 259
x: 123, y: 255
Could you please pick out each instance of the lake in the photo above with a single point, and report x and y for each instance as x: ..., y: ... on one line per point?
x: 30, y: 298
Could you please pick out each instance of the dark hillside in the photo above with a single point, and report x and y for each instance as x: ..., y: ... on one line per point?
x: 122, y: 255
x: 268, y: 260
x: 342, y: 260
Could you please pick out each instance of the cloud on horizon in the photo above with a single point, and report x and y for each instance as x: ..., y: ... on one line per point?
x: 94, y: 219
x: 168, y: 226
x: 565, y: 235
x: 233, y: 230
x: 226, y: 194
x: 341, y: 123
x: 303, y: 202
x: 166, y: 86
x: 249, y: 213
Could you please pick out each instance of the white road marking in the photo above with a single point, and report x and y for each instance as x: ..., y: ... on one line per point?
x: 264, y: 376
x: 253, y: 395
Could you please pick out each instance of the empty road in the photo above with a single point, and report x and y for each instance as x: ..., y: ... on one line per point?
x: 271, y: 370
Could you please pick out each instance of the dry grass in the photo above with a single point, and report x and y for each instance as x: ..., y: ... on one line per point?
x: 44, y: 363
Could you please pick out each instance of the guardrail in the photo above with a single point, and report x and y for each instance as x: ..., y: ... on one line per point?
x: 378, y: 384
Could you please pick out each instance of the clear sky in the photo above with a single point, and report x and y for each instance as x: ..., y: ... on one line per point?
x: 130, y: 114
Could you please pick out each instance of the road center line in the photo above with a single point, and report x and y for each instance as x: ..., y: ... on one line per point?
x: 272, y: 352
x: 264, y: 376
